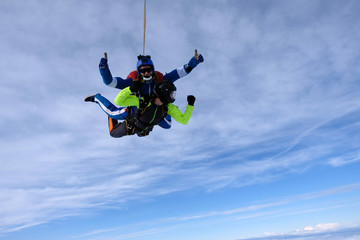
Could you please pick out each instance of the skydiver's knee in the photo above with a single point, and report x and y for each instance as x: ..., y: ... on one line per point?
x: 113, y: 134
x: 119, y: 130
x: 117, y: 134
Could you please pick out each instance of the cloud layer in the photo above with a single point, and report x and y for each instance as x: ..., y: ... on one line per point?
x: 277, y: 96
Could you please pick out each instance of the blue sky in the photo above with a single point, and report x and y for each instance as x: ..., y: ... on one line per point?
x: 272, y: 150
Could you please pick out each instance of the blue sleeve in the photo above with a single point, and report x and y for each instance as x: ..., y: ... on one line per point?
x: 172, y: 76
x: 122, y: 83
x: 166, y: 122
x: 106, y: 75
x: 175, y: 74
x: 116, y: 82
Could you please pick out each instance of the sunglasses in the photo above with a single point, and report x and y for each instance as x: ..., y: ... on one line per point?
x: 145, y: 70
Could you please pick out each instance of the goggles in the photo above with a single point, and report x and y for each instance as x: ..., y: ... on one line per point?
x: 146, y: 70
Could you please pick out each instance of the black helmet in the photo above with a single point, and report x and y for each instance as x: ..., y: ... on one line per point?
x: 166, y: 92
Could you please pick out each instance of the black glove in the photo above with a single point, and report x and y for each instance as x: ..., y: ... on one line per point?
x: 191, y: 100
x: 136, y: 86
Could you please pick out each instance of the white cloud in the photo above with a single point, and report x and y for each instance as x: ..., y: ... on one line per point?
x: 271, y: 209
x: 322, y: 227
x: 344, y: 160
x: 321, y: 231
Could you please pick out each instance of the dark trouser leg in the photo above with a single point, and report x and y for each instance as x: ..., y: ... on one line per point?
x: 116, y: 129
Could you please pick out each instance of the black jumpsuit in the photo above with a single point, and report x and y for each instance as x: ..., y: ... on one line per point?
x: 141, y: 122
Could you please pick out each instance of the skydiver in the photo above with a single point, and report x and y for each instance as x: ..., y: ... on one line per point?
x: 140, y: 120
x: 145, y: 73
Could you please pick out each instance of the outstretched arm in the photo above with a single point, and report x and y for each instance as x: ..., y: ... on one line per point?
x: 180, y: 117
x: 109, y: 80
x: 185, y: 70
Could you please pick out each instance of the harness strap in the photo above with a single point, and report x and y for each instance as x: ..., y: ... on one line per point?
x: 134, y: 118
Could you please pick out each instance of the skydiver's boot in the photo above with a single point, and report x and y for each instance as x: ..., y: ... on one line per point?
x: 91, y: 98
